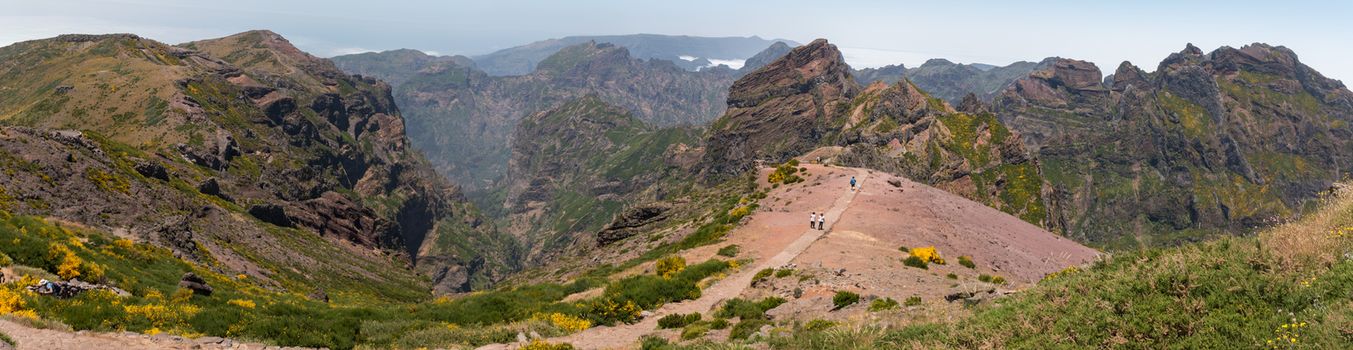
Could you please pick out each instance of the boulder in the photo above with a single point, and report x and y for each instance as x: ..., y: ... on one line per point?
x: 151, y: 169
x: 271, y: 213
x: 210, y: 187
x: 631, y: 220
x: 195, y: 283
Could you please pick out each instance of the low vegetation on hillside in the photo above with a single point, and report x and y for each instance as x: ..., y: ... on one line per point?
x: 1287, y: 287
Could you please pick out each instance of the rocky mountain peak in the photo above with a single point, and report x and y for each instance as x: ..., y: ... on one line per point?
x: 935, y: 62
x: 587, y: 59
x: 266, y: 51
x: 1128, y: 74
x: 816, y: 66
x: 1075, y: 74
x: 781, y: 110
x: 972, y: 105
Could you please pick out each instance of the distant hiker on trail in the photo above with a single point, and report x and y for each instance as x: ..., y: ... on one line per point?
x: 852, y: 183
x: 812, y: 220
x: 821, y: 221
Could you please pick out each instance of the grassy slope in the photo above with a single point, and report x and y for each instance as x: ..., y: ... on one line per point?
x: 242, y: 310
x: 1287, y: 287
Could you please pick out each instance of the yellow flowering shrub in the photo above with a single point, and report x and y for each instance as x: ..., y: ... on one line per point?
x: 543, y: 345
x: 123, y: 243
x: 568, y: 323
x: 242, y: 303
x: 71, y: 265
x: 10, y: 301
x: 928, y: 254
x: 1063, y: 273
x: 162, y: 316
x: 671, y: 265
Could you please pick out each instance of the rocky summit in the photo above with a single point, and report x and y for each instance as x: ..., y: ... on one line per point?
x: 219, y: 150
x: 1208, y: 143
x: 808, y: 103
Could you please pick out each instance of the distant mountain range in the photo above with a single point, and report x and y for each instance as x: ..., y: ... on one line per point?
x: 952, y: 81
x: 688, y: 52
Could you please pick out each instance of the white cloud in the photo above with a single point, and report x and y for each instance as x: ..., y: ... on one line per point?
x: 735, y: 64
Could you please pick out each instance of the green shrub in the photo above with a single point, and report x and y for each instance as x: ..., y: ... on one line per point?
x: 966, y: 262
x: 7, y: 340
x: 653, y: 342
x: 916, y: 262
x: 678, y: 320
x: 819, y: 325
x: 729, y: 251
x: 991, y: 279
x: 882, y: 304
x: 746, y: 328
x: 695, y: 330
x: 5, y: 260
x: 844, y: 298
x: 904, y: 249
x: 951, y: 276
x: 762, y: 275
x: 718, y: 323
x: 746, y: 309
x: 913, y: 301
x: 782, y: 273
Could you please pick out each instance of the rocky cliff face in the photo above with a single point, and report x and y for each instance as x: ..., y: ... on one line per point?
x: 808, y: 99
x: 464, y: 119
x: 575, y: 166
x: 781, y: 110
x: 266, y: 136
x: 1209, y: 143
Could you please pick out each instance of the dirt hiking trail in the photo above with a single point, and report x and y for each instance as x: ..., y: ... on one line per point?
x: 626, y: 335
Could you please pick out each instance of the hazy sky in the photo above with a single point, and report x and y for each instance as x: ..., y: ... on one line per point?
x: 871, y: 33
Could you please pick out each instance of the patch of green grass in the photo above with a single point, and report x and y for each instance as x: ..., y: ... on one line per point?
x: 916, y: 262
x: 882, y: 304
x: 678, y: 320
x: 729, y: 251
x: 913, y: 301
x: 746, y: 309
x: 966, y: 262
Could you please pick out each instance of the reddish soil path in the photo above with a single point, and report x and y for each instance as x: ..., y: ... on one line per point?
x: 49, y: 339
x: 764, y: 236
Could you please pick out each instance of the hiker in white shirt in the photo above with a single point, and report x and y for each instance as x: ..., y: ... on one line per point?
x: 812, y: 220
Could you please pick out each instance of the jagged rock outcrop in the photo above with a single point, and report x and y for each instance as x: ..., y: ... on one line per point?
x: 808, y: 99
x: 1209, y: 143
x: 632, y: 221
x: 247, y: 119
x: 780, y: 111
